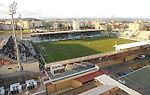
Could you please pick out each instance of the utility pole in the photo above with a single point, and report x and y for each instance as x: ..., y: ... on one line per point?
x: 12, y: 11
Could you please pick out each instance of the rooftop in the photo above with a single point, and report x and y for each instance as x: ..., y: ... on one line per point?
x: 2, y: 90
x: 71, y: 31
x: 104, y: 79
x: 77, y: 69
x: 138, y: 80
x: 131, y: 45
x: 90, y: 76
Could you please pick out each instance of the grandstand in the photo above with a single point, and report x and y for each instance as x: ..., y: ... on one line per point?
x: 25, y: 48
x: 8, y: 49
x: 69, y: 35
x: 8, y: 59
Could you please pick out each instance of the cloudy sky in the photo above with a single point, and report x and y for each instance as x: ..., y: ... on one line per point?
x: 78, y: 8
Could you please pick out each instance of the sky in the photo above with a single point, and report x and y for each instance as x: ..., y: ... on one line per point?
x: 78, y: 8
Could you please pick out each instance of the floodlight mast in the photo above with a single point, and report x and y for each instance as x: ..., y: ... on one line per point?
x: 12, y: 11
x: 20, y: 22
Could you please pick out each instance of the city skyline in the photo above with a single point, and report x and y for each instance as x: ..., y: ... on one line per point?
x: 78, y: 8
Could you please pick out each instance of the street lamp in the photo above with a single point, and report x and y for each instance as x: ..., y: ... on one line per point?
x: 12, y: 11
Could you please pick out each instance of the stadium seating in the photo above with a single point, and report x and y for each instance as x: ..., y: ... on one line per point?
x: 25, y: 48
x: 42, y: 37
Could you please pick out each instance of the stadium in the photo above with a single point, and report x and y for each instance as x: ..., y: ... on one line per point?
x: 73, y: 52
x: 65, y: 45
x: 72, y: 59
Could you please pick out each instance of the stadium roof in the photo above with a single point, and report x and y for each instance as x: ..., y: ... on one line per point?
x: 131, y: 45
x: 71, y: 31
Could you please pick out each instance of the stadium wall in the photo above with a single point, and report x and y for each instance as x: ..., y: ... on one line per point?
x: 63, y: 85
x: 110, y: 62
x: 50, y: 88
x: 76, y: 84
x: 58, y: 86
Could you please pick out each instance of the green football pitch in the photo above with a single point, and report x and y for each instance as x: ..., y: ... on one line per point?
x: 62, y: 50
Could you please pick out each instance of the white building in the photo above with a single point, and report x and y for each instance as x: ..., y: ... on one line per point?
x: 30, y: 23
x: 57, y: 69
x: 2, y: 91
x: 15, y: 88
x: 55, y: 26
x: 130, y: 45
x: 76, y: 25
x: 134, y: 27
x: 96, y: 24
x: 31, y: 84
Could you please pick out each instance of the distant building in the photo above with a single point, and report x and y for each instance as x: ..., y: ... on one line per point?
x: 55, y: 26
x: 96, y: 24
x: 24, y: 23
x: 6, y: 27
x: 143, y: 35
x: 76, y: 25
x: 134, y: 27
x: 103, y: 26
x: 30, y: 23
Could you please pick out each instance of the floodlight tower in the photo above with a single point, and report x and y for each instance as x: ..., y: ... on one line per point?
x: 12, y: 11
x: 20, y: 22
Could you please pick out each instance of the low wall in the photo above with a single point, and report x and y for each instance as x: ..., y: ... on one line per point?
x: 6, y: 69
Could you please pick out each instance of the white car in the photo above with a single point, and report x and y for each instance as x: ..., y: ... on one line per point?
x: 142, y: 56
